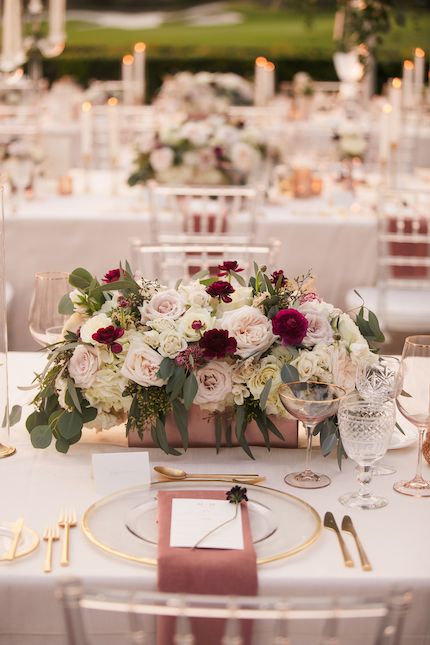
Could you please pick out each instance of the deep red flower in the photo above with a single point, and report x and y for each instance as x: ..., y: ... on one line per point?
x: 220, y: 289
x: 278, y: 275
x: 197, y: 324
x: 216, y: 343
x: 112, y: 276
x: 226, y: 267
x: 291, y: 326
x: 109, y: 336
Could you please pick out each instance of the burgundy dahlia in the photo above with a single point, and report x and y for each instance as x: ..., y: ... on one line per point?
x: 108, y: 336
x: 226, y: 267
x: 216, y: 343
x: 291, y: 326
x: 112, y: 276
x: 220, y: 289
x: 278, y: 275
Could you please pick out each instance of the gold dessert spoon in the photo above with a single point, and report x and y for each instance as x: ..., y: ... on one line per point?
x: 177, y: 474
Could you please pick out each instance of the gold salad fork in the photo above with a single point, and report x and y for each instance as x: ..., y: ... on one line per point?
x: 67, y: 520
x: 50, y: 535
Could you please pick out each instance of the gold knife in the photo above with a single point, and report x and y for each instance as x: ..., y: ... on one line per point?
x: 330, y: 523
x: 16, y: 528
x: 349, y: 527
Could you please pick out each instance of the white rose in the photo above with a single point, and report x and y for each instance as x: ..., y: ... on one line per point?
x: 241, y: 297
x: 105, y: 393
x: 106, y: 420
x: 74, y: 323
x: 359, y: 351
x: 151, y: 338
x: 343, y: 369
x: 244, y: 157
x: 319, y: 328
x: 243, y: 370
x: 83, y: 365
x: 214, y: 385
x: 79, y: 301
x: 251, y: 329
x: 92, y: 325
x: 195, y: 295
x: 349, y: 331
x: 193, y: 324
x: 165, y: 304
x: 171, y: 343
x: 162, y: 324
x: 142, y: 364
x: 268, y: 368
x: 161, y: 159
x: 307, y: 365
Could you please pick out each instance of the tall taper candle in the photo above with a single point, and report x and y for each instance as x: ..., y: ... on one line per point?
x: 12, y: 55
x: 270, y: 80
x: 260, y: 81
x: 127, y: 79
x: 419, y: 71
x: 384, y: 133
x: 86, y: 130
x: 113, y: 129
x: 139, y: 72
x: 57, y: 18
x: 408, y: 98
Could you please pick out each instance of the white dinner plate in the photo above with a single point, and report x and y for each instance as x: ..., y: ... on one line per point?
x: 28, y: 540
x: 399, y: 440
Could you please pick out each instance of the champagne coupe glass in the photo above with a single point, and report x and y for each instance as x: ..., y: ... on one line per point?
x: 310, y: 402
x: 379, y: 379
x: 365, y: 429
x: 414, y: 403
x: 45, y: 322
x: 20, y: 171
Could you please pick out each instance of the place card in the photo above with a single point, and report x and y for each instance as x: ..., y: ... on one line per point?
x: 194, y: 518
x: 115, y: 470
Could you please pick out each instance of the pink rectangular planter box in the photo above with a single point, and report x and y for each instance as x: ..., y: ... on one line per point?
x: 201, y: 432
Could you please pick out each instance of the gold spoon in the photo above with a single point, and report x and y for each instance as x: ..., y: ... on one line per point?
x: 176, y: 474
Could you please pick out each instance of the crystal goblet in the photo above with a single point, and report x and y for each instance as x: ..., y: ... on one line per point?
x: 310, y: 402
x: 414, y: 403
x: 365, y: 429
x: 379, y: 380
x: 45, y: 321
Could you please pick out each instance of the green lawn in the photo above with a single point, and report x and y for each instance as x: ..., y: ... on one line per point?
x: 262, y: 32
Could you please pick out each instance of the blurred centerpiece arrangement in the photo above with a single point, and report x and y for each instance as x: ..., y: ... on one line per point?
x: 210, y: 150
x: 138, y: 353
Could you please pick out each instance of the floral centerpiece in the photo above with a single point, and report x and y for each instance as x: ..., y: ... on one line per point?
x: 135, y: 351
x: 203, y: 93
x: 213, y: 150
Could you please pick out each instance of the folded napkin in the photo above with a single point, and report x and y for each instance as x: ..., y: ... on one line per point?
x: 203, y: 571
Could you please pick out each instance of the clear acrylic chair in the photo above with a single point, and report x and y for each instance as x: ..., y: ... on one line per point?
x: 203, y: 210
x: 95, y: 615
x: 401, y: 297
x: 181, y: 257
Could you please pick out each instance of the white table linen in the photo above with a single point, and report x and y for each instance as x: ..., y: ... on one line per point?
x: 36, y: 484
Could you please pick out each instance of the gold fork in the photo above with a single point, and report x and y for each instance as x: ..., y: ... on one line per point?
x: 67, y: 520
x: 50, y: 535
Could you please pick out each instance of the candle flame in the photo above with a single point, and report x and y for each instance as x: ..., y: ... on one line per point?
x: 408, y: 64
x: 269, y: 66
x: 139, y: 47
x: 419, y: 53
x: 112, y: 100
x: 261, y: 61
x: 128, y: 59
x: 397, y: 83
x: 86, y: 106
x: 387, y: 108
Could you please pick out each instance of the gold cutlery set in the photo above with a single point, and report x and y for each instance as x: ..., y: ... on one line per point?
x: 348, y: 527
x: 180, y: 475
x: 66, y: 521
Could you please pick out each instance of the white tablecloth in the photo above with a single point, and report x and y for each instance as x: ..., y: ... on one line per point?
x: 37, y: 484
x: 93, y: 230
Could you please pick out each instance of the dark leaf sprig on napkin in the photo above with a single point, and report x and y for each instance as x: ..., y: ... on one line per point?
x: 235, y: 495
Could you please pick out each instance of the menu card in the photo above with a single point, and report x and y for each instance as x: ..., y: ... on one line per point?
x: 194, y: 518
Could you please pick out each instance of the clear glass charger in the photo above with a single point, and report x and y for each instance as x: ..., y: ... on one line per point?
x: 124, y: 524
x: 28, y: 541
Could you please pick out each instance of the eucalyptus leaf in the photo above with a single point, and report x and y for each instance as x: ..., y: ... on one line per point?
x: 70, y: 424
x: 65, y: 306
x: 289, y: 373
x: 399, y: 428
x: 181, y: 419
x: 239, y: 278
x: 71, y: 389
x: 177, y: 382
x: 80, y: 279
x: 89, y: 414
x: 41, y: 436
x: 160, y: 432
x: 34, y: 419
x: 328, y: 444
x: 240, y: 420
x: 167, y: 367
x: 62, y: 445
x: 273, y: 429
x: 190, y: 390
x: 260, y: 420
x: 14, y: 416
x: 245, y: 446
x: 265, y: 394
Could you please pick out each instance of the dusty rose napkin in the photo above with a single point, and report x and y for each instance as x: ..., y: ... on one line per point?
x: 203, y: 571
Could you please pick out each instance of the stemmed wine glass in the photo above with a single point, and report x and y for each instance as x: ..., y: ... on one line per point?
x: 45, y: 321
x: 365, y: 429
x: 414, y: 403
x: 310, y: 402
x: 378, y: 380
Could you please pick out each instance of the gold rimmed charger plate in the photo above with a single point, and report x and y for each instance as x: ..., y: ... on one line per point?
x: 298, y: 525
